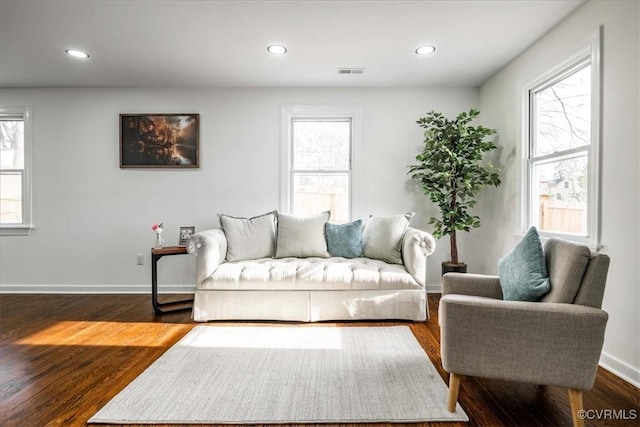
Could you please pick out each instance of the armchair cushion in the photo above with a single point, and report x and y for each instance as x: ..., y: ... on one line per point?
x: 523, y: 271
x: 567, y: 263
x: 344, y: 240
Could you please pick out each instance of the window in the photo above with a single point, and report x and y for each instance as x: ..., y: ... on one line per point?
x: 318, y: 147
x: 562, y: 144
x: 15, y: 200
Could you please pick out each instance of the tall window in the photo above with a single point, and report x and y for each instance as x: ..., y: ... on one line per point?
x: 318, y: 157
x: 15, y: 201
x: 562, y: 122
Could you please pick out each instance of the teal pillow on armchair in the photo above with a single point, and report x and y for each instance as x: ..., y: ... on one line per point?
x: 523, y: 271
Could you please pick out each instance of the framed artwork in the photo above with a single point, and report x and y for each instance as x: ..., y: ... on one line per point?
x: 185, y: 233
x: 159, y: 140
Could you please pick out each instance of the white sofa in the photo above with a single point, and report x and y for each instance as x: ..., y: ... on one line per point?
x: 309, y: 289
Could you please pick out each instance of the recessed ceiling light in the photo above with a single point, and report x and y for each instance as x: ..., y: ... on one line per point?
x: 77, y: 53
x: 277, y: 49
x: 425, y: 50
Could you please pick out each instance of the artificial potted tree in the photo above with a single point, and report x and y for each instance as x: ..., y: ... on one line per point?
x: 451, y: 173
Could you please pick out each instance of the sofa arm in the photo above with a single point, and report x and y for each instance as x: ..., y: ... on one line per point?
x: 540, y: 343
x: 417, y: 245
x: 471, y: 284
x: 210, y: 249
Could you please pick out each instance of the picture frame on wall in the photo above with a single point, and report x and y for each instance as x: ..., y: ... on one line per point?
x: 160, y: 140
x: 185, y: 233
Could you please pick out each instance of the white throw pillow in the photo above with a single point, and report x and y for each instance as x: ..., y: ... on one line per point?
x: 382, y: 237
x: 302, y: 237
x: 249, y: 238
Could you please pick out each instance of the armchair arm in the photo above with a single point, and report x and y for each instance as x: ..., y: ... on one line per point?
x: 417, y: 245
x: 210, y: 249
x: 472, y: 284
x: 541, y: 343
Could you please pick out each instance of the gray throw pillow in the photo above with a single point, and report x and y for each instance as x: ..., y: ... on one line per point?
x: 344, y: 240
x: 301, y: 237
x: 249, y: 238
x: 382, y: 237
x: 523, y: 271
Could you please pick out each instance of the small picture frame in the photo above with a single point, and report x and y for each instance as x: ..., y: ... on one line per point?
x: 185, y: 233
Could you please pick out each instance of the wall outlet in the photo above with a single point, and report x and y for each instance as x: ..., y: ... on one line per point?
x: 140, y: 259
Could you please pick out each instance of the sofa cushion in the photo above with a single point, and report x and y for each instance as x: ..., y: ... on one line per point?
x: 249, y: 238
x: 301, y: 236
x: 523, y: 271
x: 310, y: 274
x: 382, y: 237
x: 344, y: 240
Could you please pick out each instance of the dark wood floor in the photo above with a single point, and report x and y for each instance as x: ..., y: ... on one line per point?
x: 62, y: 357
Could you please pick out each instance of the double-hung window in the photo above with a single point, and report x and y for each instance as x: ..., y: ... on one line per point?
x: 562, y: 139
x: 15, y: 195
x: 317, y: 155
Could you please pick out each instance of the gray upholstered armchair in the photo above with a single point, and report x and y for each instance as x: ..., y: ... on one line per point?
x: 556, y: 341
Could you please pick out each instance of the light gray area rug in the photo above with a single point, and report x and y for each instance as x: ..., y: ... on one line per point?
x: 269, y: 375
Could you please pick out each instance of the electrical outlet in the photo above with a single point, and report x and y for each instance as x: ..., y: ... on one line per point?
x: 140, y: 259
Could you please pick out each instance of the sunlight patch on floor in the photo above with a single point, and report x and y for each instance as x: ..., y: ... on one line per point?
x: 269, y: 337
x: 86, y: 333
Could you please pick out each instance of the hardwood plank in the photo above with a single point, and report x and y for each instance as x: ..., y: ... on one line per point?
x: 63, y: 357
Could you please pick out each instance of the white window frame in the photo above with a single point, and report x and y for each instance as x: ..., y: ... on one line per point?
x: 587, y: 52
x: 26, y: 226
x: 289, y: 113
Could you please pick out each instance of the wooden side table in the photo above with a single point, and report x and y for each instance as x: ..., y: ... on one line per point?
x: 156, y: 254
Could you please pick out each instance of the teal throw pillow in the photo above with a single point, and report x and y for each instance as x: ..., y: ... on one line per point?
x: 523, y: 271
x: 344, y: 240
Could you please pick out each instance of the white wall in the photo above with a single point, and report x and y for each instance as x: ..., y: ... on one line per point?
x: 92, y: 217
x: 620, y: 210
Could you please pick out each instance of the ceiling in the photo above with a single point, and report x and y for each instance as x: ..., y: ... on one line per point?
x: 164, y: 43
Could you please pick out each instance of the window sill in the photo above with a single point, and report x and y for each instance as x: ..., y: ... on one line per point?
x: 580, y: 240
x: 544, y: 236
x: 16, y: 230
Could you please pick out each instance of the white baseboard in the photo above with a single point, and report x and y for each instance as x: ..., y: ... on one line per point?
x: 434, y: 289
x: 95, y: 289
x: 620, y: 369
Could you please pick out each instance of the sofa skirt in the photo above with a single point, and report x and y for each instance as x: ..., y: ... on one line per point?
x: 310, y: 306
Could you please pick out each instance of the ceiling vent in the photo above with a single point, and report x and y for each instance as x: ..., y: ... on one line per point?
x: 351, y: 70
